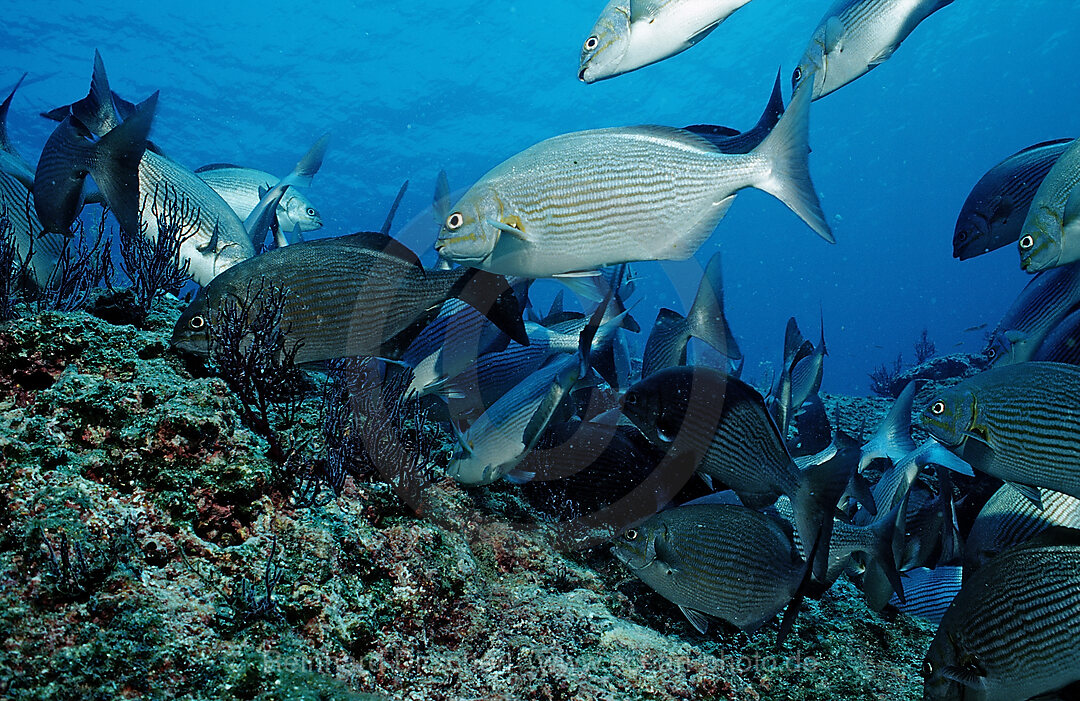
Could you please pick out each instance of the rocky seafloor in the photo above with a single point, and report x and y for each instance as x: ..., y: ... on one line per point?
x: 138, y: 518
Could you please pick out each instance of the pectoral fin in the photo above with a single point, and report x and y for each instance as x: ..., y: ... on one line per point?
x: 1072, y: 208
x: 512, y: 226
x: 834, y: 34
x: 884, y: 56
x: 645, y: 10
x: 697, y: 619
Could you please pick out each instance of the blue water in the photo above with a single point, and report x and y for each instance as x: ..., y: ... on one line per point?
x: 409, y: 88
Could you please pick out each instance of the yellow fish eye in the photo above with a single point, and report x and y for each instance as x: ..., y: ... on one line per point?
x: 938, y: 409
x: 455, y: 221
x: 197, y: 322
x: 1027, y: 242
x: 591, y: 43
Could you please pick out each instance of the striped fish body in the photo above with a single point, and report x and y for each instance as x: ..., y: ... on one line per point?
x: 928, y: 593
x: 502, y: 436
x: 162, y: 183
x: 631, y: 35
x: 1019, y: 423
x: 1013, y: 631
x: 730, y: 562
x: 1010, y: 518
x: 1039, y: 308
x: 1062, y: 345
x: 346, y: 296
x: 1051, y: 231
x: 723, y: 423
x: 856, y: 36
x: 242, y: 189
x: 994, y: 213
x: 18, y: 203
x: 601, y: 197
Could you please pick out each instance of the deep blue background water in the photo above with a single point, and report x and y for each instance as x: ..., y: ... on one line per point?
x: 409, y: 88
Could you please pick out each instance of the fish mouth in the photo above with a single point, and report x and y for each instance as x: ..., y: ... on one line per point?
x: 581, y: 75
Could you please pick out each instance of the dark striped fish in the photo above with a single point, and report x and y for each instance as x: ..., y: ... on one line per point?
x: 994, y: 212
x: 362, y: 294
x: 728, y: 562
x: 1010, y: 518
x: 1013, y: 631
x: 1038, y: 309
x: 1019, y: 423
x: 589, y: 199
x: 730, y: 140
x: 1062, y: 345
x: 856, y: 36
x: 671, y: 333
x: 928, y: 593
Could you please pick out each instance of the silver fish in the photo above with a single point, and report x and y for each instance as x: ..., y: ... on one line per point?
x: 718, y: 560
x: 994, y: 213
x: 631, y: 34
x: 1062, y: 345
x: 1051, y: 233
x: 928, y: 593
x: 856, y: 36
x: 1013, y: 631
x: 509, y: 429
x: 892, y: 439
x: 551, y: 210
x: 243, y: 189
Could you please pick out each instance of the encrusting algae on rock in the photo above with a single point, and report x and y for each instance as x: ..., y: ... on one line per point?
x: 139, y: 514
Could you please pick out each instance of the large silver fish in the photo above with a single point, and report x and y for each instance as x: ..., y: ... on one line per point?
x: 630, y: 34
x: 1039, y: 308
x: 994, y: 212
x: 1013, y: 631
x: 243, y: 189
x: 856, y: 36
x: 1019, y: 423
x: 718, y: 560
x: 1051, y: 233
x: 589, y: 199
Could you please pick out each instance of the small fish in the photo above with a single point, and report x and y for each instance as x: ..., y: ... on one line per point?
x: 631, y: 34
x: 856, y: 36
x: 243, y: 189
x: 972, y: 329
x: 1010, y: 518
x: 731, y: 140
x: 928, y: 593
x: 667, y: 343
x: 1012, y: 633
x: 509, y: 429
x: 1051, y: 233
x: 1062, y: 344
x: 780, y: 396
x: 551, y: 210
x: 807, y: 372
x: 993, y: 214
x: 1019, y: 423
x: 729, y: 562
x: 1039, y: 308
x: 363, y: 294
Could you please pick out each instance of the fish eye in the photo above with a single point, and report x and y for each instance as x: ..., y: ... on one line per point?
x: 797, y: 75
x: 927, y: 669
x: 631, y: 534
x: 631, y: 399
x: 991, y: 354
x: 311, y: 211
x: 591, y: 43
x: 197, y: 322
x: 938, y: 409
x: 454, y: 221
x: 961, y: 236
x: 1027, y: 242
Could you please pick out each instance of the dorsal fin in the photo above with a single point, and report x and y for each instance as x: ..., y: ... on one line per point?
x: 97, y: 110
x: 1044, y: 144
x: 393, y: 209
x: 441, y: 201
x: 216, y: 166
x: 4, y: 142
x: 378, y: 241
x: 672, y: 135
